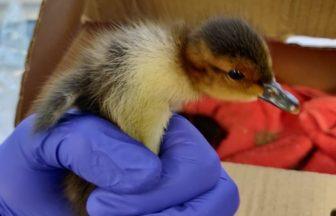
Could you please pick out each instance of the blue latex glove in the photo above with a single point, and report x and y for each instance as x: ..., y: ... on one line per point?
x: 130, y: 179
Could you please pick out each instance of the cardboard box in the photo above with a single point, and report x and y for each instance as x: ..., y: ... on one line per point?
x: 279, y: 192
x: 264, y: 191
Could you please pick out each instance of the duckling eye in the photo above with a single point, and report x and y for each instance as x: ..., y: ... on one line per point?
x: 236, y: 75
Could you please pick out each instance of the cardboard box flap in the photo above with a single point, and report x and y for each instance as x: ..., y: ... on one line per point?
x: 278, y: 192
x: 55, y: 28
x: 276, y: 19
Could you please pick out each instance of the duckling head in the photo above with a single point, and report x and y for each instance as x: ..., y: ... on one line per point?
x: 228, y: 60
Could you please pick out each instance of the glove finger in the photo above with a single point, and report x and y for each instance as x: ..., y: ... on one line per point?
x: 222, y: 200
x: 102, y: 154
x: 185, y: 147
x: 190, y: 167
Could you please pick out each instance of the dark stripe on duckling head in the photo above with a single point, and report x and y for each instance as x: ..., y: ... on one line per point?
x: 235, y: 38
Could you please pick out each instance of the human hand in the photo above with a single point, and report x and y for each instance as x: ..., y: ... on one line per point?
x: 32, y: 168
x: 192, y: 183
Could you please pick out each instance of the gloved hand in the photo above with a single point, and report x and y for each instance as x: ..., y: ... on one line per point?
x: 130, y: 179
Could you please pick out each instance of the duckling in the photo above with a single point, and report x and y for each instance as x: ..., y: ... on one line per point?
x: 137, y: 74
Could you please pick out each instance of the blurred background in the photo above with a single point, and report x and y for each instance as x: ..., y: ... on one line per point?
x: 17, y: 21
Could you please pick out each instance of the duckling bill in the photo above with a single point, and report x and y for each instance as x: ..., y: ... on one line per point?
x: 135, y: 74
x: 274, y: 94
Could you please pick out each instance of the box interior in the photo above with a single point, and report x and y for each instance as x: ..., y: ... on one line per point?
x: 60, y: 21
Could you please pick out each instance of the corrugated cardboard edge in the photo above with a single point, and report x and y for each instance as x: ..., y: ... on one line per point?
x: 277, y: 192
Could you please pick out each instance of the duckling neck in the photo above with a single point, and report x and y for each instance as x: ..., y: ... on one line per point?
x: 158, y: 65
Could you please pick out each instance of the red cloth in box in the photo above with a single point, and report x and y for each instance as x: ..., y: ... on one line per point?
x: 261, y: 134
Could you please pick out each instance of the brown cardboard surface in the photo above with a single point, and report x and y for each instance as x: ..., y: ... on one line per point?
x: 298, y: 65
x: 278, y: 192
x: 57, y: 25
x: 276, y: 18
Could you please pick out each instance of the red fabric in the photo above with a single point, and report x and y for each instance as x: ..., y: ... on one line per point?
x: 261, y: 134
x: 320, y: 162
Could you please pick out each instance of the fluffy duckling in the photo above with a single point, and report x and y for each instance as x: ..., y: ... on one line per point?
x: 135, y: 75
